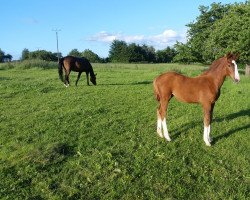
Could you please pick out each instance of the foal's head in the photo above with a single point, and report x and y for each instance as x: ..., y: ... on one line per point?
x: 232, y: 68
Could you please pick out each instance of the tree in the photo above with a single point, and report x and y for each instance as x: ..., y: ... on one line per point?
x: 166, y: 55
x: 75, y: 52
x: 119, y: 52
x: 91, y: 56
x: 136, y: 53
x: 25, y: 54
x: 184, y: 53
x: 218, y: 29
x: 7, y: 58
x: 2, y: 53
x: 230, y: 34
x: 200, y: 30
x: 43, y: 55
x: 150, y: 55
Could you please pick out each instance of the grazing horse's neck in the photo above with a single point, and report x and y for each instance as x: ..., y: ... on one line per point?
x: 91, y: 71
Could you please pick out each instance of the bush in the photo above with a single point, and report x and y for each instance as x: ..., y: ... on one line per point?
x: 27, y: 64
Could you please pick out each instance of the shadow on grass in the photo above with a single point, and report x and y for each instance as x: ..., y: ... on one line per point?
x: 241, y: 113
x: 134, y: 83
x: 225, y: 135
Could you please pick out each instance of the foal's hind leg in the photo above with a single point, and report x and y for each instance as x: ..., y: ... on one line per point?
x: 161, y: 119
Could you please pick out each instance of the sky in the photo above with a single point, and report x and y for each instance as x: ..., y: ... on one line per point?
x: 94, y: 24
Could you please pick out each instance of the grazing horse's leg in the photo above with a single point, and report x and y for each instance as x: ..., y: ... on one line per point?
x: 161, y: 114
x: 66, y: 81
x: 208, y: 113
x: 87, y: 76
x: 78, y: 77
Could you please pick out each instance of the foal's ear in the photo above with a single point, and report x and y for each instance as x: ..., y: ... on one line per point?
x: 237, y: 55
x: 230, y: 57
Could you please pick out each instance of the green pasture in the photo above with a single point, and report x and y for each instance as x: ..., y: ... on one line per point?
x: 100, y: 142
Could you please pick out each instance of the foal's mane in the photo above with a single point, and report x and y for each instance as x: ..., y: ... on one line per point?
x: 215, y: 65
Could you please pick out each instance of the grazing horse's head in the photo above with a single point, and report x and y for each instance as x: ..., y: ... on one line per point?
x: 93, y: 79
x: 232, y: 68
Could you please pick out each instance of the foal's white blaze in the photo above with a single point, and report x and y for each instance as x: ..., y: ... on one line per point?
x: 165, y: 130
x: 206, y: 136
x: 159, y: 129
x: 236, y: 73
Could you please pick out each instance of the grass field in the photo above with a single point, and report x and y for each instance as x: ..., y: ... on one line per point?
x: 100, y: 142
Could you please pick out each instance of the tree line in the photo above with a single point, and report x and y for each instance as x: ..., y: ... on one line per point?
x: 220, y: 28
x: 5, y: 57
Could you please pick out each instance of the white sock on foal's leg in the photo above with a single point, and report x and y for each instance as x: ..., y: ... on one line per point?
x: 159, y: 127
x: 165, y: 130
x: 206, y: 136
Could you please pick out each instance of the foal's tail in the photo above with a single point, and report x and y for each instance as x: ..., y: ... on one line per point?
x: 156, y: 90
x: 60, y: 69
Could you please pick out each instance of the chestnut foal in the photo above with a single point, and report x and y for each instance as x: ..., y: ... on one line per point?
x: 203, y: 89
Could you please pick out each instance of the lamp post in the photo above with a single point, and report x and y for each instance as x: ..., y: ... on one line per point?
x: 57, y: 30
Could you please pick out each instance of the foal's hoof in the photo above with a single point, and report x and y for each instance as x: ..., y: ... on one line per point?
x: 208, y: 144
x: 159, y: 132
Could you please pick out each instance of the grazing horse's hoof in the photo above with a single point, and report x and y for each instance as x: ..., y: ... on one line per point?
x: 66, y: 85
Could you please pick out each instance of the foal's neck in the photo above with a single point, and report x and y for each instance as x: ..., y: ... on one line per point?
x: 217, y: 74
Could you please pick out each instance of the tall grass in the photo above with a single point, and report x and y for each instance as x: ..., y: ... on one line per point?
x: 27, y: 64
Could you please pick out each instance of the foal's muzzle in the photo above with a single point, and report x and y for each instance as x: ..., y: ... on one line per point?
x: 236, y: 80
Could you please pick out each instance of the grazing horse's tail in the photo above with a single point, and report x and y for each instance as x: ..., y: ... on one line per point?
x: 156, y: 91
x: 60, y: 69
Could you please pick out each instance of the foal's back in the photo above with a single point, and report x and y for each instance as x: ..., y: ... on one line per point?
x: 186, y: 89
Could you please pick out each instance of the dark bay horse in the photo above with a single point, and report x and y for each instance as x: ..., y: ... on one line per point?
x: 203, y: 89
x: 71, y: 63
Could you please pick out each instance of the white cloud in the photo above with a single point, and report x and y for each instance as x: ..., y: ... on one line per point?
x: 167, y: 38
x: 104, y: 36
